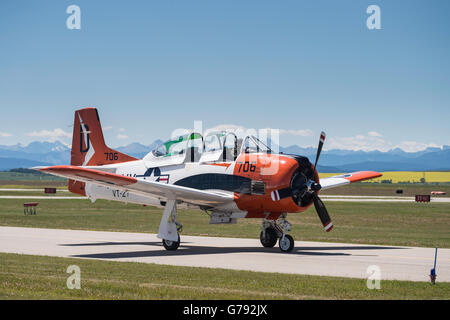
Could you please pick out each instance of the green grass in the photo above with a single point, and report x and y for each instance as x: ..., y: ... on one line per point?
x: 38, y: 277
x: 32, y: 184
x: 388, y: 189
x: 407, y: 224
x: 21, y: 176
x: 40, y: 193
x: 370, y: 189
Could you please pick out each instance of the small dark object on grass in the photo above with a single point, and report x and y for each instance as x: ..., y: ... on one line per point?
x: 30, y: 208
x: 50, y: 190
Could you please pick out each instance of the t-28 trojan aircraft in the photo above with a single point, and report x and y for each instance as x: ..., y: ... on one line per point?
x: 226, y: 176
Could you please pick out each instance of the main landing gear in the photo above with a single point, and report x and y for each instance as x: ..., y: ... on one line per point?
x: 171, y: 245
x: 169, y: 228
x: 274, y: 230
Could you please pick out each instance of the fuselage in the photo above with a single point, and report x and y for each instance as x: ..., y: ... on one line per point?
x: 260, y: 182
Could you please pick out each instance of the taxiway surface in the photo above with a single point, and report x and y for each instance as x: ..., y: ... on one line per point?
x: 313, y: 258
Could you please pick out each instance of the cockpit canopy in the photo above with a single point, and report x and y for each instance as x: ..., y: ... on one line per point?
x: 178, y: 146
x: 253, y: 145
x: 217, y: 146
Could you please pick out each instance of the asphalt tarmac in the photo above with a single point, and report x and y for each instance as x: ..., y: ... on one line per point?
x: 312, y: 258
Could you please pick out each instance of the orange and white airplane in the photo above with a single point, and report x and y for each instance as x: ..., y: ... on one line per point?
x: 223, y: 175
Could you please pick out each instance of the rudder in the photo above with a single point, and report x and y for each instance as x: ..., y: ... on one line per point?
x: 88, y: 146
x: 88, y: 143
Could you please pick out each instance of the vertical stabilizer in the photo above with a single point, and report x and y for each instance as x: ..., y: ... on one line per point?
x: 88, y: 145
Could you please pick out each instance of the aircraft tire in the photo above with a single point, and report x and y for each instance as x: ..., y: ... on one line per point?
x: 171, y: 245
x: 271, y: 238
x: 287, y: 243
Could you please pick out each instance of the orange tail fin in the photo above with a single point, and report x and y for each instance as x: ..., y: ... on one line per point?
x: 88, y: 146
x: 88, y: 143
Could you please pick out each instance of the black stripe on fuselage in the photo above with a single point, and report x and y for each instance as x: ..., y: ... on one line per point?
x: 217, y: 181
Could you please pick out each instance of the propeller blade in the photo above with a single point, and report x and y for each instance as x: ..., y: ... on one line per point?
x: 323, y: 213
x: 319, y: 150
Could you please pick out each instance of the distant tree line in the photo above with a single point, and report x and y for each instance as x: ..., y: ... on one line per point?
x: 25, y: 170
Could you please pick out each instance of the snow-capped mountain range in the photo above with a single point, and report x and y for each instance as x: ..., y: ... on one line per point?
x: 56, y: 153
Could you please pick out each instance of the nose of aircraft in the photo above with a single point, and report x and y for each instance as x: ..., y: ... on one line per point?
x: 304, y: 183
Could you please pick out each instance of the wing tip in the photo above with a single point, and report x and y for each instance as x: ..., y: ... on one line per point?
x: 39, y: 168
x: 363, y: 175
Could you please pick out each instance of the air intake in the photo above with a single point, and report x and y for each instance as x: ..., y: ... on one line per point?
x: 258, y: 187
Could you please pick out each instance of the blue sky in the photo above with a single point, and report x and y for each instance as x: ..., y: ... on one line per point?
x: 153, y: 66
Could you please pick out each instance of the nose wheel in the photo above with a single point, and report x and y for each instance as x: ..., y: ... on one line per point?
x: 286, y: 243
x: 268, y: 237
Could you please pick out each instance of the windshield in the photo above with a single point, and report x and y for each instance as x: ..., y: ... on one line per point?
x: 254, y: 145
x: 213, y: 141
x: 176, y: 146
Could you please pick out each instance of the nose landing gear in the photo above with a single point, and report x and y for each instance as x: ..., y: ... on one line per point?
x: 286, y: 243
x: 273, y: 230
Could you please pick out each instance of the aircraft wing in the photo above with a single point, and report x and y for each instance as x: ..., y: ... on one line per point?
x: 146, y: 188
x: 343, y: 179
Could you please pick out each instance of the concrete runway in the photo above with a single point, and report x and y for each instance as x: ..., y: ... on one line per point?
x: 313, y: 258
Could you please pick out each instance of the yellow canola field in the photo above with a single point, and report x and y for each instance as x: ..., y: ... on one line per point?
x: 406, y: 176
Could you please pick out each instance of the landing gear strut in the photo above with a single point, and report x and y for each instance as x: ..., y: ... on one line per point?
x: 169, y: 228
x: 272, y: 230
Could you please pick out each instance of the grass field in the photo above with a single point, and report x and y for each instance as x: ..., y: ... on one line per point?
x: 408, y: 224
x: 38, y: 277
x: 369, y: 189
x: 395, y: 176
x: 40, y: 193
x: 436, y: 181
x: 386, y: 189
x: 407, y: 176
x: 32, y: 184
x: 23, y: 176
